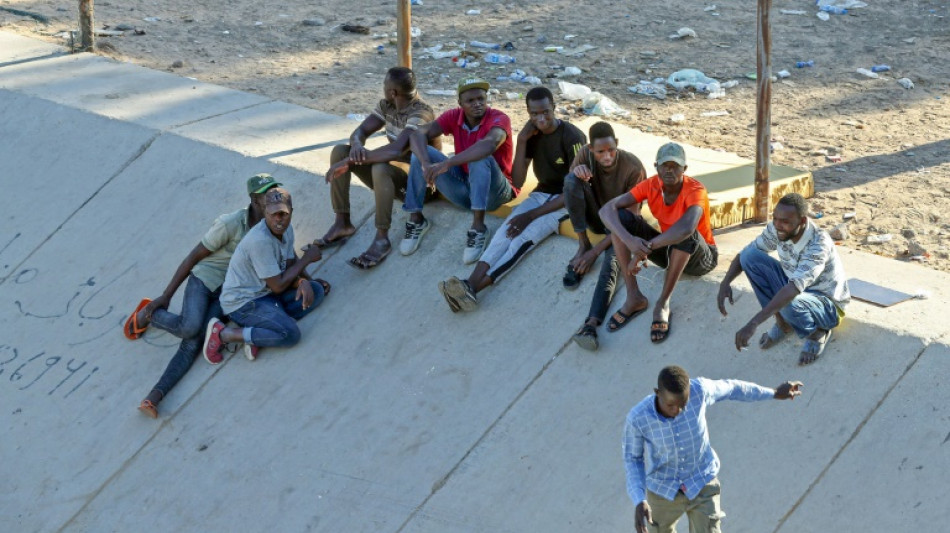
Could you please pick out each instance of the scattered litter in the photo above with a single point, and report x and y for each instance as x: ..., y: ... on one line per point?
x: 466, y: 63
x: 833, y: 158
x: 415, y: 2
x: 109, y: 33
x: 683, y: 33
x: 868, y: 73
x: 440, y: 92
x: 775, y: 145
x: 355, y: 28
x: 840, y: 4
x: 710, y: 8
x: 720, y: 113
x: 474, y: 12
x: 602, y: 106
x: 314, y: 22
x: 805, y: 64
x: 879, y: 239
x: 553, y: 48
x: 677, y: 118
x: 922, y: 294
x: 521, y: 76
x: 569, y: 71
x: 649, y: 88
x: 573, y: 91
x: 512, y: 96
x: 840, y: 232
x: 415, y: 32
x: 849, y: 215
x: 906, y: 83
x: 823, y: 16
x: 569, y: 37
x: 584, y: 48
x: 729, y: 84
x: 880, y: 68
x: 689, y: 77
x: 488, y: 46
x: 356, y: 116
x: 792, y: 12
x: 151, y: 19
x: 819, y: 214
x: 437, y: 52
x: 782, y: 74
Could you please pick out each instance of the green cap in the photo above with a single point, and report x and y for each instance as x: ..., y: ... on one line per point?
x: 472, y: 83
x: 671, y: 152
x: 260, y: 183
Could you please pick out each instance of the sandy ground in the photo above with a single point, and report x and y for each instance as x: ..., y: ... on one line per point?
x: 877, y: 150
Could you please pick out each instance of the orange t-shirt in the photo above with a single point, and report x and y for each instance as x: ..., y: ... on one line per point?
x: 693, y: 193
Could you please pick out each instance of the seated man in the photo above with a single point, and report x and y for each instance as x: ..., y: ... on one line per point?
x: 267, y: 288
x: 805, y: 289
x: 384, y: 170
x: 552, y: 145
x: 204, y: 268
x: 477, y: 177
x: 599, y: 173
x: 684, y: 243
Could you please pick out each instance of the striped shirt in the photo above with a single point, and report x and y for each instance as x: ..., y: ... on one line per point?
x: 662, y: 454
x: 811, y: 264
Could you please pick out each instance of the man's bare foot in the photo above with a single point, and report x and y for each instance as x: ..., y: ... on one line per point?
x: 337, y: 234
x: 582, y: 249
x: 142, y: 318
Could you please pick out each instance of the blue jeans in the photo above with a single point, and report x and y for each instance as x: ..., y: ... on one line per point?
x: 198, y: 306
x: 806, y: 313
x: 483, y: 188
x: 271, y: 320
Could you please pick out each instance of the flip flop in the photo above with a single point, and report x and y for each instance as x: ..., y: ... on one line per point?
x: 323, y: 244
x: 773, y: 336
x: 572, y: 279
x: 658, y: 333
x: 814, y: 348
x: 586, y: 338
x: 620, y: 319
x: 326, y: 285
x: 365, y: 261
x: 131, y: 330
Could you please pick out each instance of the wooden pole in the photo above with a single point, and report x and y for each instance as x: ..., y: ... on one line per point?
x: 403, y: 29
x: 86, y: 24
x: 763, y: 111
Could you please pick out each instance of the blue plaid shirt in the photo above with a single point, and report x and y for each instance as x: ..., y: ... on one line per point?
x: 661, y: 454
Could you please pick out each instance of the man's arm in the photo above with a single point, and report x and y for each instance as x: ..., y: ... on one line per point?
x: 681, y: 229
x: 746, y: 391
x: 390, y: 151
x: 294, y: 272
x: 196, y: 254
x: 419, y: 141
x: 782, y: 298
x: 481, y: 149
x: 633, y: 450
x: 519, y: 165
x: 610, y: 218
x: 369, y: 126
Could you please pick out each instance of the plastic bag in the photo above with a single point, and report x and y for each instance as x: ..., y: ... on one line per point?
x: 573, y: 91
x: 649, y: 88
x: 843, y: 4
x: 601, y: 106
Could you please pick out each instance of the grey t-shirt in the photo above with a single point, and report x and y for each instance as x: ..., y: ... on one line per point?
x: 259, y: 256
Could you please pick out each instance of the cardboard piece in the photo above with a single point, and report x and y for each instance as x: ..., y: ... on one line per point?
x: 876, y: 294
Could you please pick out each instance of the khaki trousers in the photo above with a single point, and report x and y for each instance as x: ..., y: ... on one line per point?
x: 386, y: 180
x: 703, y: 511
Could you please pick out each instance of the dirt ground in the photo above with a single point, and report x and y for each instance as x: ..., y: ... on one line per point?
x: 876, y: 149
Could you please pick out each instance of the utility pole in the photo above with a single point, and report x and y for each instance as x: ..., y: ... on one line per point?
x: 403, y: 30
x: 86, y: 24
x: 763, y: 111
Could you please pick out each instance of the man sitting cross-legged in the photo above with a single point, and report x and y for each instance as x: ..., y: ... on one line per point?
x: 684, y: 243
x: 805, y: 289
x: 267, y: 288
x: 551, y: 144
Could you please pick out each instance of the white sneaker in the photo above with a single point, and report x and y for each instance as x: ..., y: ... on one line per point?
x: 474, y: 245
x: 414, y: 232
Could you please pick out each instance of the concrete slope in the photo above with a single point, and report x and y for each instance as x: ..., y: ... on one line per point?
x: 393, y: 414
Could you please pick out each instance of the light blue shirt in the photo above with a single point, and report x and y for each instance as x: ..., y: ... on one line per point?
x: 661, y: 453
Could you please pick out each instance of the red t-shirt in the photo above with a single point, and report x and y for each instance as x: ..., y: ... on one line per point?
x: 452, y: 123
x: 693, y: 193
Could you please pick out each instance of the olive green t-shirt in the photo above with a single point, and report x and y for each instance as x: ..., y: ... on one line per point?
x: 221, y: 240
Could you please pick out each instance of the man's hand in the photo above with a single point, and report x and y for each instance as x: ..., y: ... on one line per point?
x: 583, y: 173
x: 643, y: 516
x: 744, y: 334
x: 305, y: 293
x: 434, y: 170
x: 158, y: 303
x: 517, y: 224
x: 338, y: 169
x: 788, y: 390
x: 583, y: 263
x: 725, y: 293
x: 312, y: 254
x: 357, y: 153
x: 529, y: 130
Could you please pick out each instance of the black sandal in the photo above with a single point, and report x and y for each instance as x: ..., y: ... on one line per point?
x: 572, y: 279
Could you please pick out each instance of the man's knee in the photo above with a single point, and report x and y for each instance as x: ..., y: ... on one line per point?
x: 750, y: 256
x: 291, y: 335
x: 339, y: 153
x: 571, y: 184
x: 382, y: 174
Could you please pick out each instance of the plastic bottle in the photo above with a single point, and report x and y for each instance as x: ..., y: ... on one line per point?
x: 804, y: 64
x: 498, y: 58
x: 868, y: 73
x: 834, y: 10
x: 466, y: 63
x: 490, y: 46
x: 880, y: 68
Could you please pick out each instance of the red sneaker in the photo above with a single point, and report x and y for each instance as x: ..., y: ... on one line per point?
x: 213, y: 345
x: 250, y: 351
